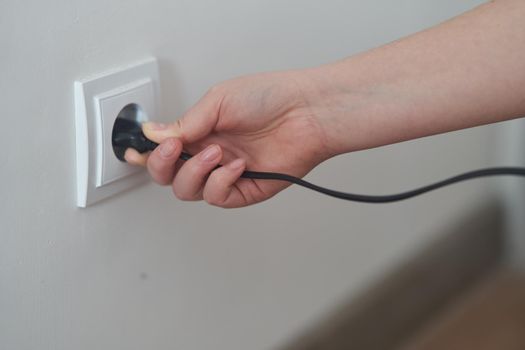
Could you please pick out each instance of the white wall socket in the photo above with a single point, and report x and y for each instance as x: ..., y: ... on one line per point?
x: 98, y: 101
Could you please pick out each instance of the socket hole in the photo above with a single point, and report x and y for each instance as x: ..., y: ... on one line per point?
x: 130, y: 113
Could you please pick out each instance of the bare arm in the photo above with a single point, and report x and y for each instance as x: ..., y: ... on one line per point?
x: 468, y: 71
x: 465, y: 72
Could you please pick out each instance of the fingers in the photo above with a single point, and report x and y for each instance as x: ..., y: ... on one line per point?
x: 162, y: 161
x: 158, y: 132
x: 219, y: 189
x: 193, y: 180
x: 196, y: 123
x: 132, y: 156
x: 189, y: 181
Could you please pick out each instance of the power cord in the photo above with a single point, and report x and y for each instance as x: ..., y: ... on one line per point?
x: 128, y: 134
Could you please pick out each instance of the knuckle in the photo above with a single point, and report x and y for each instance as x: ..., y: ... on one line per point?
x: 197, y: 170
x: 212, y: 192
x: 213, y: 200
x: 163, y: 181
x: 153, y: 164
x: 158, y: 173
x: 182, y: 195
x: 215, y: 90
x: 179, y: 123
x: 217, y: 93
x: 158, y: 165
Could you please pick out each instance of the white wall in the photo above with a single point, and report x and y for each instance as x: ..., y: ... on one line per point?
x: 509, y: 149
x: 145, y: 271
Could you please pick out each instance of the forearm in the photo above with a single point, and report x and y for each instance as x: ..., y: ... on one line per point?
x: 466, y: 72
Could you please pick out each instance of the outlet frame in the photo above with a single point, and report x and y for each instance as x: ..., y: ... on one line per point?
x: 98, y: 100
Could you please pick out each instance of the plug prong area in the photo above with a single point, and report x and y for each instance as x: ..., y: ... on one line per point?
x: 127, y: 132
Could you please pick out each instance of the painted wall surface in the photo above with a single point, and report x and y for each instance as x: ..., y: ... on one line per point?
x: 509, y: 147
x: 145, y: 271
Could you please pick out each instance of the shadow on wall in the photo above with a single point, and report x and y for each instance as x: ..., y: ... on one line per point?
x: 396, y: 307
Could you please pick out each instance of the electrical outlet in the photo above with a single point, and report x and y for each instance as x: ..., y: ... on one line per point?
x: 132, y: 92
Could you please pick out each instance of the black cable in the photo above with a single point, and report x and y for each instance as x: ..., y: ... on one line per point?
x: 127, y: 135
x: 392, y: 197
x: 261, y: 175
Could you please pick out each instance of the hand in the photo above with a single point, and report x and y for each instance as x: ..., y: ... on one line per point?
x: 263, y: 122
x: 459, y: 74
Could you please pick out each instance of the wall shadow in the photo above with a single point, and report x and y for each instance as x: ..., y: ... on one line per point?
x: 396, y: 306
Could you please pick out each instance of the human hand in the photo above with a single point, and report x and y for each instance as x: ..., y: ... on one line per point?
x: 442, y: 79
x: 264, y: 122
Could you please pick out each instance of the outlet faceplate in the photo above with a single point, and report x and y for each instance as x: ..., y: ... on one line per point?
x: 98, y: 101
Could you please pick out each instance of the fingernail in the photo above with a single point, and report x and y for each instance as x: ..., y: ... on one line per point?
x: 167, y: 148
x: 211, y: 153
x: 236, y: 164
x: 155, y: 126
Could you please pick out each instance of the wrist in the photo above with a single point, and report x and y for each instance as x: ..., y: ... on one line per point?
x: 359, y: 105
x: 344, y: 105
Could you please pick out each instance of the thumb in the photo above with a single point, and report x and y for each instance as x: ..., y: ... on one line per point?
x: 197, y: 122
x: 158, y: 132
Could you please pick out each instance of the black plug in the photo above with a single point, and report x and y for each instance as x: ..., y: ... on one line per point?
x: 128, y: 134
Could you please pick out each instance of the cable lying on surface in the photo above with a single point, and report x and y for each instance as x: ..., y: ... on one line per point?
x: 128, y: 134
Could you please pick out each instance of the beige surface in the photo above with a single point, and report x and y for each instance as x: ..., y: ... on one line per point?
x: 492, y: 316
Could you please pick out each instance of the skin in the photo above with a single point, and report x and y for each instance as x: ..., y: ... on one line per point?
x: 466, y: 72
